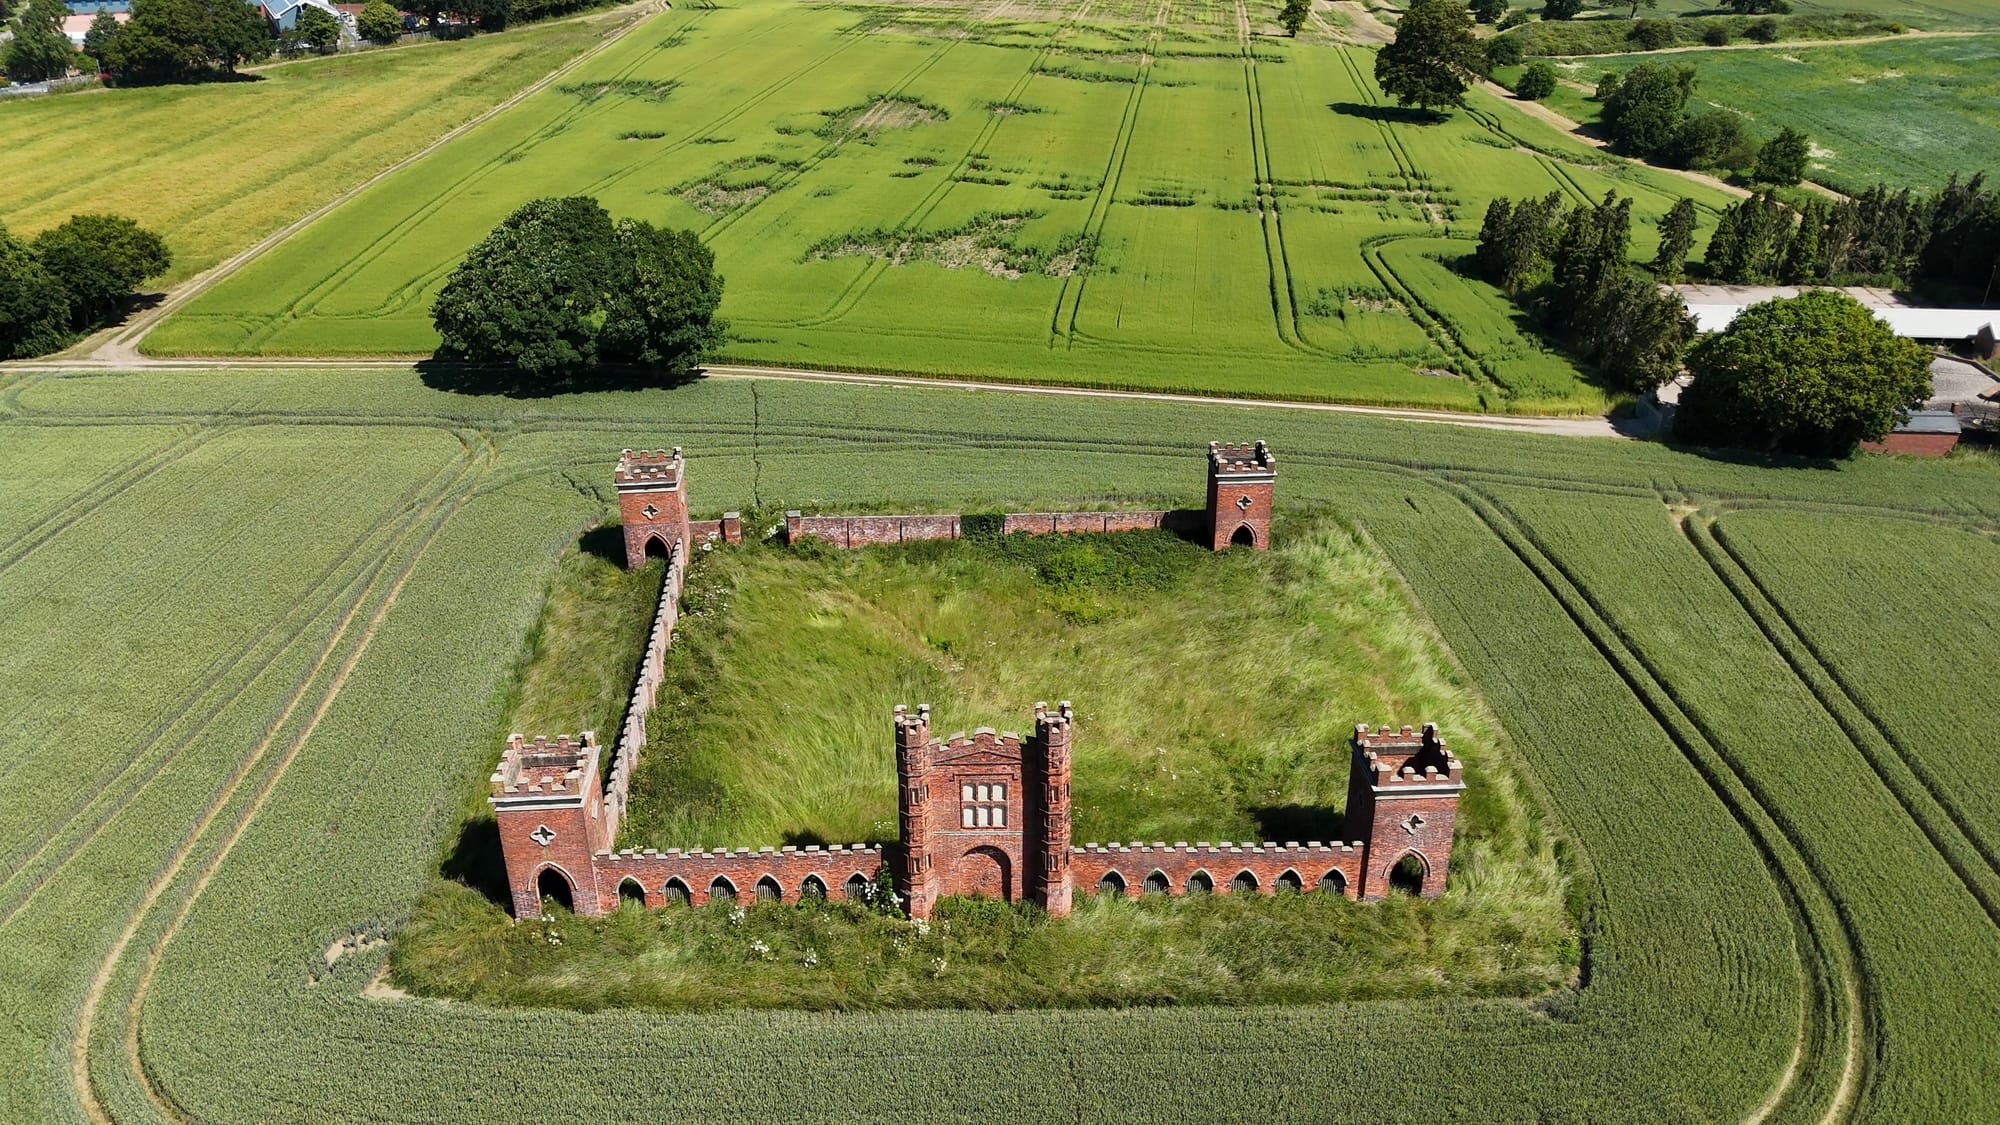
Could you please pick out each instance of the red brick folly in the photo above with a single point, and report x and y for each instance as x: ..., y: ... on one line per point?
x: 986, y: 813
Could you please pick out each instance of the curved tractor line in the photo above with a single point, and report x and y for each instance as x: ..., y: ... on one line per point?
x: 122, y: 344
x: 94, y: 996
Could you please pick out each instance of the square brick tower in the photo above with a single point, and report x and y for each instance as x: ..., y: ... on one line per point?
x: 1240, y: 481
x: 652, y: 502
x: 1402, y: 800
x: 986, y: 813
x: 549, y: 803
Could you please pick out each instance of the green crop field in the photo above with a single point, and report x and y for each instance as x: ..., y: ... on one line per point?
x: 216, y: 167
x: 1129, y: 194
x: 1906, y: 113
x: 264, y: 626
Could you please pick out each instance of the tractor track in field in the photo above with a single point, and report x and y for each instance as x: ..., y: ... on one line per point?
x: 852, y: 294
x: 105, y: 489
x: 1950, y: 832
x: 1829, y: 959
x: 431, y: 521
x: 221, y: 690
x: 121, y: 343
x: 1063, y: 327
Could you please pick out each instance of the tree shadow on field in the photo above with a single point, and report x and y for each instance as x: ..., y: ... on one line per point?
x: 1395, y: 114
x: 476, y: 379
x: 476, y: 860
x: 1294, y: 824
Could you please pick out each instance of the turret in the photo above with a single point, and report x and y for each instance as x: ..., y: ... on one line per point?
x: 1241, y: 479
x: 913, y: 768
x: 549, y: 805
x: 652, y: 502
x: 1402, y: 800
x: 1052, y: 767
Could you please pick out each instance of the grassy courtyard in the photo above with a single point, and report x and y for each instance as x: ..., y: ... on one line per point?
x: 1215, y: 696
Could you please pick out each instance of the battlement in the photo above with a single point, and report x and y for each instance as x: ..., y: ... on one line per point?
x: 1406, y: 757
x: 1241, y: 461
x: 542, y: 769
x: 651, y: 469
x: 1053, y: 723
x: 986, y: 812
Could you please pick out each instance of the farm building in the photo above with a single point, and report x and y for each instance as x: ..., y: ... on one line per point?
x: 1927, y: 433
x: 1966, y: 330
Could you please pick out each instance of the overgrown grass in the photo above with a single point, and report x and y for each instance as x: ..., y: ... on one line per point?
x: 1215, y: 694
x: 981, y: 954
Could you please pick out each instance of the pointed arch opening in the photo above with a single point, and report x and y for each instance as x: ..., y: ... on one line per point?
x: 1157, y: 884
x: 630, y: 890
x: 768, y: 891
x: 856, y: 888
x: 1410, y: 874
x: 1243, y: 536
x: 656, y: 547
x: 1289, y: 883
x: 1245, y: 883
x: 552, y: 887
x: 676, y: 892
x: 1200, y: 883
x: 813, y: 889
x: 1112, y: 884
x: 1334, y: 883
x: 721, y: 890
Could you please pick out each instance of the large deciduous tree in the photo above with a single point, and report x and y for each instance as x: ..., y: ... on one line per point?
x: 39, y: 50
x: 1643, y: 111
x: 1433, y: 56
x: 558, y: 289
x: 97, y: 40
x: 187, y: 40
x: 34, y: 310
x: 1815, y: 374
x: 99, y: 260
x: 379, y: 21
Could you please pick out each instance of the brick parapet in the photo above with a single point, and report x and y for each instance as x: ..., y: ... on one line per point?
x: 869, y: 531
x: 697, y: 869
x: 645, y: 694
x: 1222, y: 862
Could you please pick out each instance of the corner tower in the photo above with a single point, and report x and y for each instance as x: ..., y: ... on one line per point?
x: 1402, y: 800
x: 549, y: 805
x: 1241, y: 479
x: 652, y: 502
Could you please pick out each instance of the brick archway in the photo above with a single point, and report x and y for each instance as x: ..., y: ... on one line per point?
x: 1410, y: 873
x: 1243, y: 536
x: 987, y: 872
x: 554, y: 883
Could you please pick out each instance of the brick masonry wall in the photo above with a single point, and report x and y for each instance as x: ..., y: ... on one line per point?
x: 1915, y: 445
x: 869, y: 531
x: 645, y: 693
x: 697, y: 870
x: 1180, y: 863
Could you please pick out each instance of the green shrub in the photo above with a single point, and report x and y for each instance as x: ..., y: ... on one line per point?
x: 1537, y: 82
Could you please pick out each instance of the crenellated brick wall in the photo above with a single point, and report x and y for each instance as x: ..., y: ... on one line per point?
x: 1142, y: 868
x: 984, y: 813
x: 659, y: 878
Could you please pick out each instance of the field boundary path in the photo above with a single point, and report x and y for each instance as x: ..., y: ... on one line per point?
x: 1796, y: 44
x: 121, y: 344
x: 1579, y: 425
